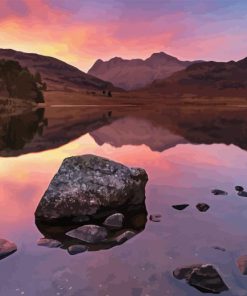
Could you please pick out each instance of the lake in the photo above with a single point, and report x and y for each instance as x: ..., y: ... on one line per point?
x: 186, y: 152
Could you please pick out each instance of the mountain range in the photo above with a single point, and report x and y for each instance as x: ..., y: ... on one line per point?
x: 161, y: 75
x: 207, y: 79
x: 137, y: 73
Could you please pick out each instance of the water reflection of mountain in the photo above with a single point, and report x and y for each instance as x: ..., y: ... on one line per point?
x: 159, y: 128
x: 137, y: 131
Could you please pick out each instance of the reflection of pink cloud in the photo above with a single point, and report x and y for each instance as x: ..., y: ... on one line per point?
x: 183, y: 166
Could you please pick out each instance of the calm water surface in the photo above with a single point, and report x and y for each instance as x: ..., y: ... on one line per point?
x: 33, y: 146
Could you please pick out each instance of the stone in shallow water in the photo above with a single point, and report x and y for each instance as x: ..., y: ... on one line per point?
x: 219, y: 192
x: 77, y: 249
x: 239, y: 188
x: 155, y: 218
x: 219, y: 248
x: 86, y: 185
x: 125, y: 236
x: 204, y: 277
x: 242, y: 193
x: 114, y: 221
x: 242, y: 264
x: 49, y: 243
x: 89, y: 233
x: 180, y: 207
x: 202, y: 207
x: 6, y: 248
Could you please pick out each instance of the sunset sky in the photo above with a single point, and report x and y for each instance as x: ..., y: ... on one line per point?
x: 81, y: 31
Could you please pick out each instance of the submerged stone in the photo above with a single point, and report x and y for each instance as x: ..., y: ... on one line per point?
x: 155, y: 218
x: 202, y: 207
x: 239, y: 188
x: 203, y: 277
x: 219, y: 248
x: 77, y: 249
x: 242, y: 193
x: 114, y: 221
x: 49, y: 243
x: 219, y: 192
x: 180, y: 207
x: 6, y: 248
x: 89, y: 233
x: 125, y: 236
x: 87, y: 185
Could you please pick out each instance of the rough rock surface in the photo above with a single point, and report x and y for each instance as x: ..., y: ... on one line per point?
x: 49, y: 243
x: 89, y: 233
x: 203, y: 277
x: 6, y: 248
x: 88, y: 184
x: 202, y: 207
x: 77, y: 249
x: 242, y: 264
x: 114, y: 221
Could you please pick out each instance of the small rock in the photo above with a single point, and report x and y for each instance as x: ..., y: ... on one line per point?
x: 184, y: 272
x: 49, y: 243
x: 114, y: 221
x: 89, y: 233
x: 202, y: 207
x: 155, y: 218
x: 125, y: 236
x: 239, y: 188
x: 76, y: 249
x: 242, y: 193
x: 219, y: 248
x: 180, y: 207
x: 219, y: 192
x: 242, y: 264
x: 6, y: 248
x: 204, y: 277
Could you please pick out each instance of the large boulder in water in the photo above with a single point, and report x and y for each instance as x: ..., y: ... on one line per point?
x: 88, y: 185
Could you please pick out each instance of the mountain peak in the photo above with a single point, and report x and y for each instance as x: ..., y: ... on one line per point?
x: 132, y: 74
x: 162, y: 56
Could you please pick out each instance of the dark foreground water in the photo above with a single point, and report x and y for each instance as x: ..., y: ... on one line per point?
x: 32, y: 147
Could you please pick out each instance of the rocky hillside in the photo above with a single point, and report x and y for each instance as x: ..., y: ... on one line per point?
x: 18, y: 82
x: 137, y: 73
x: 57, y: 74
x: 207, y: 78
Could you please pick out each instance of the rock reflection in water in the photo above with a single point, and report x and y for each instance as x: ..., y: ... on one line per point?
x: 134, y: 223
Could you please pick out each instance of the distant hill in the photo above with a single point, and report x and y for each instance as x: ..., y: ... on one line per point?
x: 206, y: 78
x: 57, y: 74
x: 137, y: 73
x: 18, y: 82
